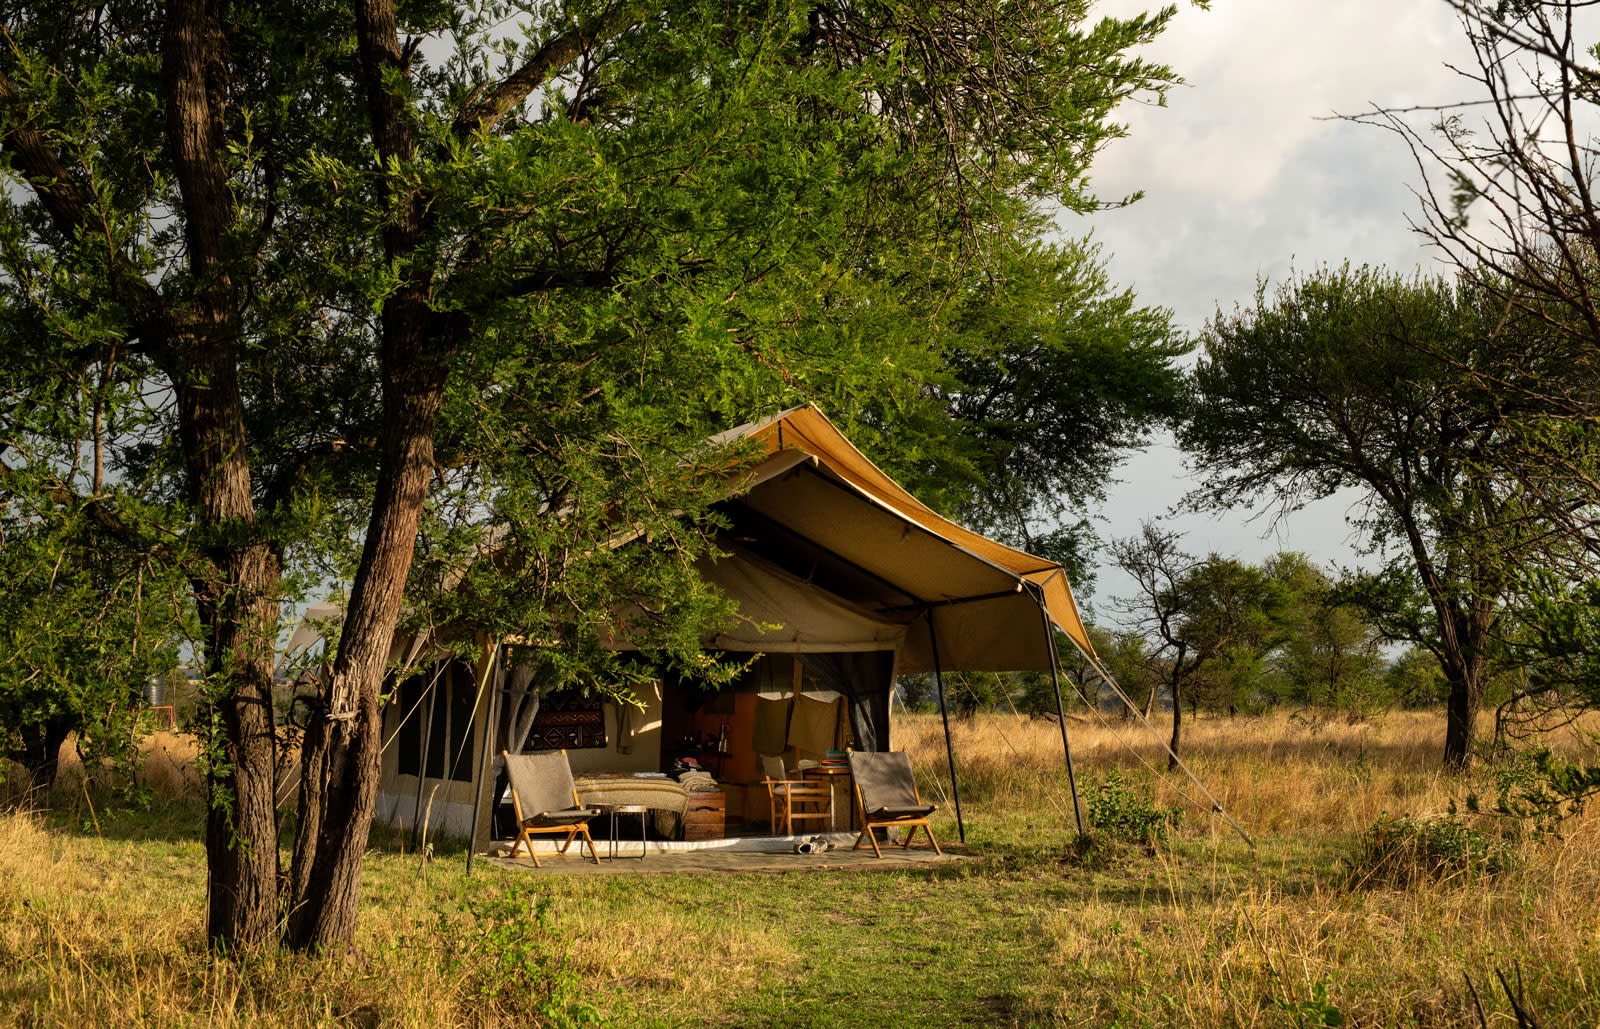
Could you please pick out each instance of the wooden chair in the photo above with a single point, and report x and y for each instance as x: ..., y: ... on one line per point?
x: 888, y: 797
x: 789, y: 800
x: 541, y: 783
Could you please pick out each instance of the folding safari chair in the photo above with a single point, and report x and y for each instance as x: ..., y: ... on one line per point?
x: 888, y: 797
x: 541, y: 783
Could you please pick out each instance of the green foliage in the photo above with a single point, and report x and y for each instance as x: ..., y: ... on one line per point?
x: 1540, y: 790
x: 509, y: 950
x: 84, y: 624
x: 1413, y: 679
x: 1049, y: 377
x: 1328, y: 656
x: 1315, y: 1011
x: 1402, y: 851
x: 1122, y: 813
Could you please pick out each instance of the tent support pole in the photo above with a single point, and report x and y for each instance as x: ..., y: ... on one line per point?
x: 422, y: 769
x: 489, y: 727
x: 944, y: 711
x: 1061, y: 714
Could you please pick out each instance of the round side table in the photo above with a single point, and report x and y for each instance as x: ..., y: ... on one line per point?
x: 628, y: 809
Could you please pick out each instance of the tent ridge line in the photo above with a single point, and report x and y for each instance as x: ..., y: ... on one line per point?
x: 929, y: 605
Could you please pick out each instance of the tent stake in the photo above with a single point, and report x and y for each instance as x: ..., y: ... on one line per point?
x: 489, y: 728
x: 1061, y: 714
x: 944, y: 710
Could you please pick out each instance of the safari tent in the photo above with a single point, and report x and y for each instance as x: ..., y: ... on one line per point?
x: 842, y: 580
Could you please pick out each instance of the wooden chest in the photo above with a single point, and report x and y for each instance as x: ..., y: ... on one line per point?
x: 705, y: 816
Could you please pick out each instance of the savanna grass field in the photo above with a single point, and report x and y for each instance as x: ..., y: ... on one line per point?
x: 101, y: 906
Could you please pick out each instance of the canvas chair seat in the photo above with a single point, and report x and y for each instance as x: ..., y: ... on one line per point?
x: 549, y: 818
x: 887, y: 793
x: 902, y: 811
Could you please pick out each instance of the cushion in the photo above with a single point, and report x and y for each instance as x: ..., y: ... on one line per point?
x: 570, y: 816
x: 898, y: 811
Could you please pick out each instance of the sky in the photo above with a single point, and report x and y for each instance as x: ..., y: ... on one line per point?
x: 1246, y: 175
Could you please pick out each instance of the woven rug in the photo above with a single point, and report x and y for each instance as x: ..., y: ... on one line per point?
x: 569, y: 722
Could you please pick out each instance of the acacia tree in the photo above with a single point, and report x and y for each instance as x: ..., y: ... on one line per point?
x: 1208, y: 621
x: 1350, y: 378
x: 1506, y: 193
x: 340, y: 290
x: 1330, y: 647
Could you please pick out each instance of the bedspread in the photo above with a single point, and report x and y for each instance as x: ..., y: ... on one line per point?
x: 663, y: 796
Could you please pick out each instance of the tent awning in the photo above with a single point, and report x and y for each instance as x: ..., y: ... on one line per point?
x: 890, y: 553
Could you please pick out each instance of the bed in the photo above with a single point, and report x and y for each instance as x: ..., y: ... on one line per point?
x: 667, y: 799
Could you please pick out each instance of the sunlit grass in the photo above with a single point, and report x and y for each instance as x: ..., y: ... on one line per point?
x: 100, y: 909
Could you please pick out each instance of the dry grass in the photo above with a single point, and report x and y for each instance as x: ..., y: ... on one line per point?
x: 1213, y: 934
x: 103, y: 926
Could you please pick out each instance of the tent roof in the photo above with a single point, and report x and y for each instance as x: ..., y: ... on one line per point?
x: 830, y: 514
x: 308, y: 632
x: 827, y: 553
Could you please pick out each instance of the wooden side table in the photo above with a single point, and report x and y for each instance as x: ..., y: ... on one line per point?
x: 705, y: 816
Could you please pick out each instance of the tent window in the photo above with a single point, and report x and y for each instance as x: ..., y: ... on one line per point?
x: 450, y: 734
x: 412, y: 705
x: 452, y: 730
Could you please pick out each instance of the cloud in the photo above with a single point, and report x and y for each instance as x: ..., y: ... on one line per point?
x: 1246, y: 177
x: 1260, y: 73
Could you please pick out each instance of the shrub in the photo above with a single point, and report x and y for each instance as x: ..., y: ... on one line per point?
x: 1539, y: 791
x: 512, y: 958
x: 1401, y: 851
x: 1119, y: 812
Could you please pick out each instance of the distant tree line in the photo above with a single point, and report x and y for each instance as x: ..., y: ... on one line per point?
x: 1218, y: 635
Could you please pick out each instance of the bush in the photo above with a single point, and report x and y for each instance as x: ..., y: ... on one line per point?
x: 1539, y: 791
x: 512, y: 959
x: 1402, y: 851
x: 1121, y: 813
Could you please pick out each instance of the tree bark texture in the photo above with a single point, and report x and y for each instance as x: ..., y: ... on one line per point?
x: 339, y: 780
x: 342, y: 746
x: 240, y: 609
x: 1466, y: 672
x: 197, y: 342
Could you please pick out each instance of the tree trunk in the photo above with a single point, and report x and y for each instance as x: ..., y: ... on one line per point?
x: 237, y: 596
x: 1177, y: 723
x: 197, y: 343
x: 41, y: 750
x: 1465, y: 665
x: 1461, y: 713
x: 339, y: 779
x: 242, y: 861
